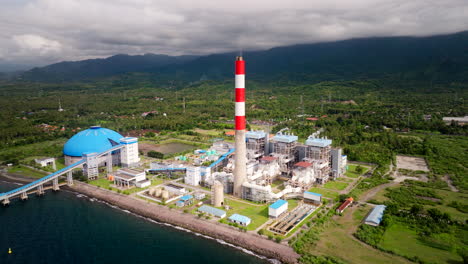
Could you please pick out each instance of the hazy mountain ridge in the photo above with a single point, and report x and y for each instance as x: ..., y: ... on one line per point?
x: 442, y: 57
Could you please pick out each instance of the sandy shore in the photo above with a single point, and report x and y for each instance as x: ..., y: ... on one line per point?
x: 249, y: 241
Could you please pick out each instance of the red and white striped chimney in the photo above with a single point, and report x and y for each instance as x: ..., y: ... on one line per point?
x: 240, y: 167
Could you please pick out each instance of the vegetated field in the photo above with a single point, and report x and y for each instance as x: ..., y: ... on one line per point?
x: 336, y: 185
x: 404, y: 241
x: 352, y: 173
x: 337, y: 240
x: 25, y: 171
x: 257, y: 213
x: 106, y: 184
x: 52, y: 148
x: 167, y: 148
x: 449, y: 197
x: 327, y: 193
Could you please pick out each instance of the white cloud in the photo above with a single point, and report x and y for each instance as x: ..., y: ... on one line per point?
x: 37, y: 44
x: 45, y: 31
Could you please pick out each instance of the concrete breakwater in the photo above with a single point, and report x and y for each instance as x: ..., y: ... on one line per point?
x: 160, y: 213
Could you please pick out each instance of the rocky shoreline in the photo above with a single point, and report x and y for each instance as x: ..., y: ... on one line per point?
x: 252, y: 242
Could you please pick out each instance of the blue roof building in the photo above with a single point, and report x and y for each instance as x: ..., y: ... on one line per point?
x: 278, y: 204
x: 240, y: 219
x: 277, y: 208
x: 285, y: 138
x: 94, y: 139
x: 318, y: 142
x: 212, y: 211
x: 186, y: 197
x: 312, y: 193
x: 375, y: 216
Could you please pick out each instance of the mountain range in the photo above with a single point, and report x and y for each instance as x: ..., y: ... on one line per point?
x: 443, y: 58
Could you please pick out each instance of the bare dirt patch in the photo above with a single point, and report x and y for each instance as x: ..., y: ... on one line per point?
x: 411, y: 163
x: 166, y: 148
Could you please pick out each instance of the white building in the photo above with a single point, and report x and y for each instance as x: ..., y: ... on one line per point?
x: 311, y: 197
x: 44, y: 162
x: 277, y: 208
x: 175, y: 189
x: 127, y: 177
x: 338, y: 163
x: 129, y: 154
x: 193, y: 176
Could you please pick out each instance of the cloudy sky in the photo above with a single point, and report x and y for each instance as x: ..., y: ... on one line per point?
x: 38, y: 32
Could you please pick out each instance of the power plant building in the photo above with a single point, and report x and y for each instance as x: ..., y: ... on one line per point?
x: 277, y: 208
x: 97, y: 140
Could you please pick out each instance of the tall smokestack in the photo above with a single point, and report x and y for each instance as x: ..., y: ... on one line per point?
x: 240, y: 167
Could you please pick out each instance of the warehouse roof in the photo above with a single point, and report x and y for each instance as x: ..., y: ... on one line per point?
x: 312, y: 193
x: 213, y: 211
x: 278, y: 204
x: 186, y: 197
x: 375, y: 217
x: 240, y: 218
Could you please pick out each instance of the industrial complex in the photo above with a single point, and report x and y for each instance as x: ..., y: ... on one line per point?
x: 244, y: 171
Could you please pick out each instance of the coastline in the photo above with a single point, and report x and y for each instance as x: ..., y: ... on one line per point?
x: 163, y: 214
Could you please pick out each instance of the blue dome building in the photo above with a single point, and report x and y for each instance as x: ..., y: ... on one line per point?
x: 94, y: 139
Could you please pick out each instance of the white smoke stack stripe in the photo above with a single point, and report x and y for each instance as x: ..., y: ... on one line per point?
x: 240, y: 168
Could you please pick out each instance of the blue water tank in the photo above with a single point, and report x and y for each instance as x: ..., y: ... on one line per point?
x: 94, y: 139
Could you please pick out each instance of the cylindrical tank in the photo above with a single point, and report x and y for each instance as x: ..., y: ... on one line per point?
x: 151, y: 191
x: 218, y: 194
x: 158, y: 192
x: 165, y: 194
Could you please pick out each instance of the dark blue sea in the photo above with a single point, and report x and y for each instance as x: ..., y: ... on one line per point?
x: 66, y: 227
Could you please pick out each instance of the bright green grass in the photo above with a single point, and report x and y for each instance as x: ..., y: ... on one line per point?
x: 106, y: 184
x: 351, y: 171
x: 404, y: 241
x: 327, y: 193
x: 257, y: 213
x: 336, y: 185
x: 25, y: 171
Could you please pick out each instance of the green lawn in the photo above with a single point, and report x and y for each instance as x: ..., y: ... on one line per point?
x: 336, y: 241
x: 257, y: 213
x: 326, y: 193
x: 106, y: 184
x: 404, y: 241
x: 26, y: 171
x: 351, y: 171
x: 335, y: 185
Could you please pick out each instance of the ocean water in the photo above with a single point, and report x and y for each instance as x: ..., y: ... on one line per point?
x: 66, y: 227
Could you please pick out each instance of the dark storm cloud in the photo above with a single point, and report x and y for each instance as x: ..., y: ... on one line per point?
x: 46, y: 31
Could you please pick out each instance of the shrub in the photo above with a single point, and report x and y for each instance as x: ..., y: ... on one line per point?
x: 261, y: 232
x: 278, y: 239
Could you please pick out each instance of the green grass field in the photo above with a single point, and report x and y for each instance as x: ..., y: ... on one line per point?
x: 335, y: 185
x: 258, y: 213
x: 336, y: 240
x: 326, y: 193
x: 404, y: 241
x: 25, y: 171
x: 351, y: 171
x: 106, y: 184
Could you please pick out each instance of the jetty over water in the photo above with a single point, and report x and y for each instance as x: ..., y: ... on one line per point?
x: 90, y: 168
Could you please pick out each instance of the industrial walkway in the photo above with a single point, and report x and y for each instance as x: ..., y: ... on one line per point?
x: 24, y: 190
